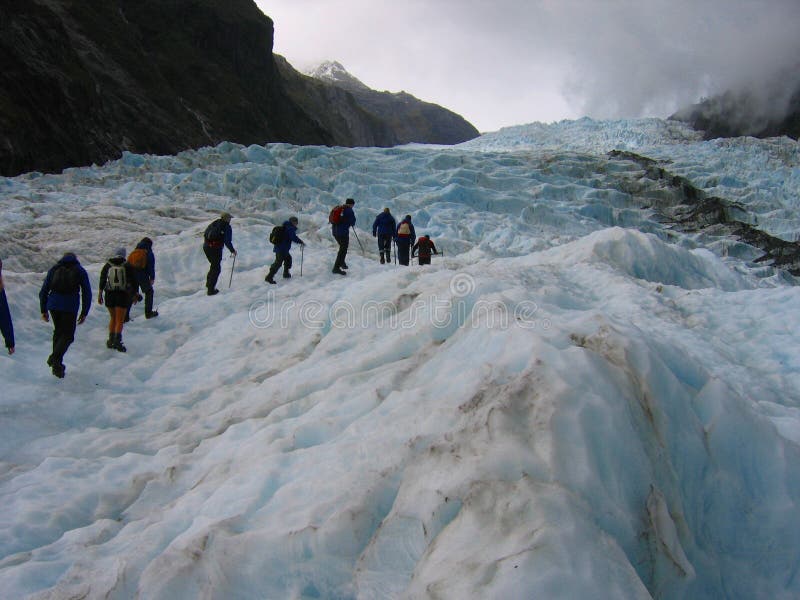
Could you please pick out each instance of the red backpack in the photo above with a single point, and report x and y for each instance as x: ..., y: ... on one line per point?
x: 335, y: 217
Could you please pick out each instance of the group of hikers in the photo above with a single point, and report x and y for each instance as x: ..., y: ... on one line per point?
x: 65, y: 295
x: 342, y: 218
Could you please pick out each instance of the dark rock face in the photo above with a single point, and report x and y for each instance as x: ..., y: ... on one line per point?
x: 690, y: 209
x: 83, y: 80
x: 80, y: 81
x: 767, y: 112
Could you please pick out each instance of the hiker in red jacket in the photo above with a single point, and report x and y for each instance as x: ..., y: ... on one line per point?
x: 423, y: 249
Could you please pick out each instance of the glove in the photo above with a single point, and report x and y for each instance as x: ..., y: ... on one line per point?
x: 374, y: 234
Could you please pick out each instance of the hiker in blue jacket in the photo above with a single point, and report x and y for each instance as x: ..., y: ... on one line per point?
x: 145, y: 275
x: 341, y: 233
x: 65, y: 292
x: 282, y: 250
x: 6, y: 326
x: 405, y: 239
x: 385, y: 229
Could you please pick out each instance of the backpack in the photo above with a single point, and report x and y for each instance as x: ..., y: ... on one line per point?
x: 215, y: 232
x: 138, y: 258
x: 335, y: 217
x: 117, y: 278
x: 424, y: 246
x: 65, y: 279
x: 404, y: 229
x: 277, y: 235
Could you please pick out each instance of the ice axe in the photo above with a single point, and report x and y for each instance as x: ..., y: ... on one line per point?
x: 233, y: 266
x: 359, y: 242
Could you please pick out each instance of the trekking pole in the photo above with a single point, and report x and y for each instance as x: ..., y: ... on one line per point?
x: 359, y: 243
x: 233, y: 266
x: 302, y: 247
x: 395, y: 251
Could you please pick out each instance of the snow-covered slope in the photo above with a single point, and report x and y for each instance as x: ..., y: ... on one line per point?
x: 573, y: 402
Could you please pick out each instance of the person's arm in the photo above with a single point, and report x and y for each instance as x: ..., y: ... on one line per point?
x: 433, y: 247
x: 228, y: 239
x: 351, y: 217
x: 6, y: 326
x: 44, y: 292
x: 375, y: 226
x: 103, y: 281
x: 150, y: 269
x: 86, y: 295
x: 296, y: 239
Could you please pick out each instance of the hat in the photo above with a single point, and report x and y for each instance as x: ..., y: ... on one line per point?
x: 293, y: 220
x: 225, y: 216
x: 386, y: 210
x: 120, y: 252
x: 350, y: 201
x: 408, y: 217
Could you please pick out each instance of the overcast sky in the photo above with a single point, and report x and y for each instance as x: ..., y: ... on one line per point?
x: 509, y: 62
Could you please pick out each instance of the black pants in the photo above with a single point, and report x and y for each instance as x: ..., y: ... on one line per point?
x: 403, y: 247
x: 147, y: 289
x: 281, y: 259
x: 425, y: 260
x: 64, y: 324
x: 214, y: 256
x: 143, y: 284
x: 344, y: 242
x: 385, y: 245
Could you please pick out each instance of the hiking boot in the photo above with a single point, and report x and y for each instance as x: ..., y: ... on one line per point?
x: 269, y: 279
x: 110, y: 341
x: 151, y: 315
x: 59, y: 370
x: 212, y: 292
x: 287, y: 275
x: 345, y: 267
x: 383, y: 260
x: 338, y: 272
x: 118, y: 343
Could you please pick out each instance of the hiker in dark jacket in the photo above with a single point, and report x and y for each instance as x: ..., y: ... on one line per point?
x: 405, y: 239
x: 423, y: 249
x: 65, y: 292
x: 217, y: 235
x: 145, y: 275
x: 341, y: 233
x: 118, y: 283
x: 282, y: 250
x: 6, y: 326
x: 385, y: 229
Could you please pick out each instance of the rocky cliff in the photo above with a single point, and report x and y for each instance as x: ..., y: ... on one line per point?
x: 81, y: 81
x: 772, y: 109
x: 409, y: 119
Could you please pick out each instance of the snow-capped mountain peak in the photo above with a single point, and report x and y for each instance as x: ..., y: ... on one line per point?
x: 334, y: 72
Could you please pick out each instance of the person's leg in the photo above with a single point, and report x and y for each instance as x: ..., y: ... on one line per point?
x: 343, y: 242
x: 214, y: 256
x: 112, y: 329
x: 403, y: 247
x: 287, y: 265
x: 119, y: 319
x: 147, y: 290
x: 273, y: 268
x: 64, y: 324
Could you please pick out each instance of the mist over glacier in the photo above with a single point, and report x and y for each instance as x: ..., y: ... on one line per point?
x: 576, y: 400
